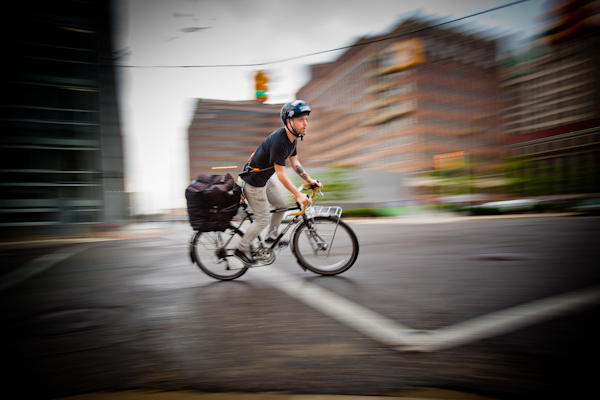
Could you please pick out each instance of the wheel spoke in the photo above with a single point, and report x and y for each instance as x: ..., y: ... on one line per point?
x: 215, y: 259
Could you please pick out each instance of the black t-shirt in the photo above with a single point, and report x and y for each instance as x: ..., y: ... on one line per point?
x: 275, y: 149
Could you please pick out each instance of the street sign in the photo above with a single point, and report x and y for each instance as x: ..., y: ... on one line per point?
x: 447, y: 161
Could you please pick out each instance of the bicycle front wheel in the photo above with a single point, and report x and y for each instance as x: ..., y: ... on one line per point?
x: 325, y: 245
x: 213, y: 253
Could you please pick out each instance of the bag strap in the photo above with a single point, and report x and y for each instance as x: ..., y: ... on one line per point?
x: 247, y: 168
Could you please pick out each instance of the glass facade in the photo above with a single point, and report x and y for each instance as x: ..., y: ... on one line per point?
x: 61, y: 157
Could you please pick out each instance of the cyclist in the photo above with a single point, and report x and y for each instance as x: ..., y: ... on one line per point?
x: 268, y: 159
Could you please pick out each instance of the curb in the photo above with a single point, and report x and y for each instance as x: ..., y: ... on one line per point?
x: 106, y: 237
x: 435, y: 218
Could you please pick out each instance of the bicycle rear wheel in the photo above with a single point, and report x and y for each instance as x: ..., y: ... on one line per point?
x: 208, y: 251
x: 325, y: 245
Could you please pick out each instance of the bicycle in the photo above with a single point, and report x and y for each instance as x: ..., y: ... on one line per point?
x: 312, y: 243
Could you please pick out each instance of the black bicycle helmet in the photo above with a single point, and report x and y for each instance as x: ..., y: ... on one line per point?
x: 294, y: 109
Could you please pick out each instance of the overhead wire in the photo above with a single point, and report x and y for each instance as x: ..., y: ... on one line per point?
x: 261, y: 64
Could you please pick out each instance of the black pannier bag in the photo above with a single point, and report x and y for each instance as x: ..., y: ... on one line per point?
x: 212, y: 202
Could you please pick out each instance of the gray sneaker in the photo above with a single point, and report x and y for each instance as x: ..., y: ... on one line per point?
x: 246, y: 258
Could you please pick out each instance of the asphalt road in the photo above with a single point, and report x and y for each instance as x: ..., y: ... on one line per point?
x: 504, y: 308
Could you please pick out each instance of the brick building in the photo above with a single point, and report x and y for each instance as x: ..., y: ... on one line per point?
x: 552, y: 104
x: 394, y: 104
x: 223, y: 134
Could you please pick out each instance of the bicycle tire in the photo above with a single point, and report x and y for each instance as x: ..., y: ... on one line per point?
x: 207, y: 252
x: 325, y: 245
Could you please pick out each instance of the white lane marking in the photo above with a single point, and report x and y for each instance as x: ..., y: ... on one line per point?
x: 39, y: 265
x: 403, y: 338
x: 371, y: 324
x: 504, y: 321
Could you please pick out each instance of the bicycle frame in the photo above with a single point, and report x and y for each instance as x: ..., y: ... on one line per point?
x: 250, y: 217
x: 304, y: 213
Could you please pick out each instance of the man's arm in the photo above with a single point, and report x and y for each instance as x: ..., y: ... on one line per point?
x: 301, y: 172
x: 287, y: 183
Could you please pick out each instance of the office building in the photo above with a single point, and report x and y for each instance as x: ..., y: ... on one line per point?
x: 395, y: 101
x: 223, y: 134
x: 61, y: 161
x: 551, y: 115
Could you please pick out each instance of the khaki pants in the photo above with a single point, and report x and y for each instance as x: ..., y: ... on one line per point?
x: 259, y: 199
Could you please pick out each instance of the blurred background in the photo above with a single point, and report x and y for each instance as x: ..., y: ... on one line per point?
x: 110, y: 108
x: 420, y: 118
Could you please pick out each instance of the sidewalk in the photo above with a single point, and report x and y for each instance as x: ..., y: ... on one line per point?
x: 128, y: 231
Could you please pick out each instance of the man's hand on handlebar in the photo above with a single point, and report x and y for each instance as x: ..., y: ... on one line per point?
x: 315, y: 184
x: 304, y: 200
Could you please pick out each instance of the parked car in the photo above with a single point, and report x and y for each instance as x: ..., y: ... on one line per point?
x: 511, y: 205
x: 498, y: 207
x: 591, y: 206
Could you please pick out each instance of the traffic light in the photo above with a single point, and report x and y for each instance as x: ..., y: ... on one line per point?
x: 260, y: 81
x: 566, y: 20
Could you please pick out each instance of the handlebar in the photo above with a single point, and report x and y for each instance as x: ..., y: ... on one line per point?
x: 314, y: 193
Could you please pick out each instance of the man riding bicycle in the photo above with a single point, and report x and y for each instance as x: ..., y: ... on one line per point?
x: 260, y: 190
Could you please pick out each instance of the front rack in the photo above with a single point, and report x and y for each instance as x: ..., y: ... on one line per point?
x: 324, y: 211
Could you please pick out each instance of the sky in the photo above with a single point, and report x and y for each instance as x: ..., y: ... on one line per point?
x: 157, y: 103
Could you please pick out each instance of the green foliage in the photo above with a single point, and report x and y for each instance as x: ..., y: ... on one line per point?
x: 383, y: 212
x: 360, y: 212
x: 451, y: 181
x: 378, y: 212
x: 374, y: 212
x: 549, y: 177
x: 337, y: 184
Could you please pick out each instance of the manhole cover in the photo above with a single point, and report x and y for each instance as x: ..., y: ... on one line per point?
x: 72, y: 320
x: 502, y: 257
